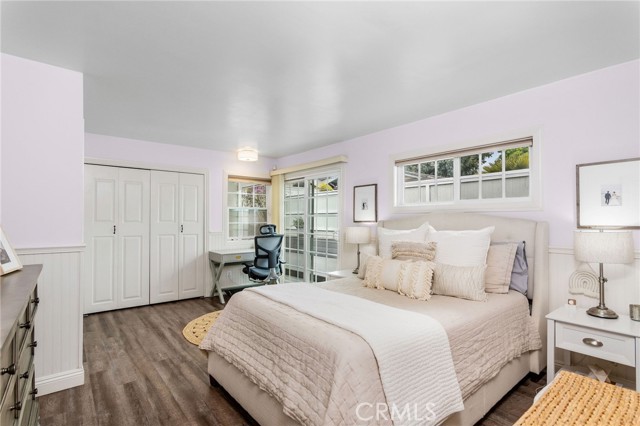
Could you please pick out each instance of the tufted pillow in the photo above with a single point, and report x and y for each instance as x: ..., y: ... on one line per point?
x: 466, y: 282
x: 411, y: 279
x: 388, y: 236
x: 500, y: 259
x: 462, y: 248
x: 413, y: 250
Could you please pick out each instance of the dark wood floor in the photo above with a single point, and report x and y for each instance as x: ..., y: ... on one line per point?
x: 139, y: 370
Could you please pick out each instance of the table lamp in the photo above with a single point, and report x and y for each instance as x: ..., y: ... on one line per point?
x: 603, y: 247
x: 357, y: 235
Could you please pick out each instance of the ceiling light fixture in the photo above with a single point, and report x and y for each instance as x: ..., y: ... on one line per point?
x: 248, y: 154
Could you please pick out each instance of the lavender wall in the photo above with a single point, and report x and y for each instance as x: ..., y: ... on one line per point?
x: 158, y: 154
x: 588, y: 118
x: 42, y: 152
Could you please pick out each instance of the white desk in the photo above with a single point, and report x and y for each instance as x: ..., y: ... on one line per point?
x: 219, y: 258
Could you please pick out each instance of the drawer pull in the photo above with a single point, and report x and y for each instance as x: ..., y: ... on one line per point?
x: 24, y: 375
x: 35, y: 301
x: 33, y: 345
x: 10, y: 370
x: 34, y: 392
x: 26, y: 325
x: 592, y: 342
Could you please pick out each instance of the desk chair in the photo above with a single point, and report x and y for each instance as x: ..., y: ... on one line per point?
x: 268, y: 229
x: 267, y: 266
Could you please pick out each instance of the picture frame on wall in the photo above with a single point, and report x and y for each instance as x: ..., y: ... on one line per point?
x: 608, y: 194
x: 365, y: 203
x: 9, y: 261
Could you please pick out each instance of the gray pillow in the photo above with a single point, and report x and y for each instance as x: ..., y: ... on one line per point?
x: 520, y: 272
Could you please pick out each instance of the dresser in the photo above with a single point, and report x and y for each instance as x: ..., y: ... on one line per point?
x: 18, y: 309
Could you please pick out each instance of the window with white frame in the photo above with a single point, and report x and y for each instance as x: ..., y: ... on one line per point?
x: 248, y: 202
x: 485, y: 176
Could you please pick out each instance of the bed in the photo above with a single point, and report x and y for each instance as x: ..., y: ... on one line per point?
x: 485, y: 374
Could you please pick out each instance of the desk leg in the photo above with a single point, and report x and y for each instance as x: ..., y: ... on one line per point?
x: 551, y: 350
x: 215, y: 274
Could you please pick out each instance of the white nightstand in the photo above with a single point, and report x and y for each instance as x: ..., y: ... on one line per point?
x: 343, y: 273
x: 616, y: 340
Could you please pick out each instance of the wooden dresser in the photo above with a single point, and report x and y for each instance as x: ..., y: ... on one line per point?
x: 18, y: 307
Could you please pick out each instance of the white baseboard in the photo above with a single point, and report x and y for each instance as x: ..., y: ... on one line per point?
x: 60, y: 381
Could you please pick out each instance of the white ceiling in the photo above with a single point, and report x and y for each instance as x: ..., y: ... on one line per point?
x: 285, y: 77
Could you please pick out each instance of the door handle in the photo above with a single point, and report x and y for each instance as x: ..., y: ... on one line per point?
x: 181, y: 228
x: 114, y: 230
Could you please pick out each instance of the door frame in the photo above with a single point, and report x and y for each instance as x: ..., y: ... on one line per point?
x: 169, y: 168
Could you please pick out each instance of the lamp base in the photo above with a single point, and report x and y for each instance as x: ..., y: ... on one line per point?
x: 355, y: 271
x: 602, y: 313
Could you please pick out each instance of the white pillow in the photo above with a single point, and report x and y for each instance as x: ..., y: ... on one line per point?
x: 387, y: 236
x: 465, y: 282
x: 462, y: 248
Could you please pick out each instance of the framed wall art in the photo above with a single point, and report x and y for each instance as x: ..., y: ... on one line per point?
x: 9, y: 261
x: 365, y: 203
x: 608, y: 194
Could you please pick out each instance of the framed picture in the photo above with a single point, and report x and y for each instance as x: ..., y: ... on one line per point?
x: 9, y: 261
x: 365, y: 203
x: 608, y: 194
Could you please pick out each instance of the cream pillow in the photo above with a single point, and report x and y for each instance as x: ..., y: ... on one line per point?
x: 362, y: 270
x: 412, y: 279
x: 500, y: 259
x: 388, y: 236
x: 466, y: 282
x: 413, y: 250
x: 462, y: 248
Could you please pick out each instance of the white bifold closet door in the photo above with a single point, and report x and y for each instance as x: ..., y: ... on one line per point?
x: 117, y: 238
x: 177, y: 236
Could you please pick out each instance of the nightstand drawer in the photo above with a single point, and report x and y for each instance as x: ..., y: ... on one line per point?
x: 601, y: 344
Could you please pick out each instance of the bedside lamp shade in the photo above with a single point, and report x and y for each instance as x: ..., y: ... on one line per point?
x: 603, y: 247
x: 357, y: 235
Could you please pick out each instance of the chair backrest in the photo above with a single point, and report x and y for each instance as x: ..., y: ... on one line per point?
x: 267, y: 250
x: 268, y: 229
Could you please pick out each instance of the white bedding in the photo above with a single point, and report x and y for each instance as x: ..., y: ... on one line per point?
x: 291, y: 355
x: 398, y: 338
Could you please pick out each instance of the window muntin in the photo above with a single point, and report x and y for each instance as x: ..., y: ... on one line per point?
x: 493, y: 173
x: 247, y: 208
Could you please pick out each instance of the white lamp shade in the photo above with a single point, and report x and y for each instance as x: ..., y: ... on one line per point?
x: 247, y: 154
x: 603, y: 247
x: 357, y: 235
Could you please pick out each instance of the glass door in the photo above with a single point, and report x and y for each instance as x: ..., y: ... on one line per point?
x: 312, y: 229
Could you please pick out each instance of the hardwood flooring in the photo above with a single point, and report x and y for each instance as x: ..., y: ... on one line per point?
x: 139, y: 370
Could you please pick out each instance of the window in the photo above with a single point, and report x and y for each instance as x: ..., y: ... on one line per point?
x: 248, y: 202
x: 481, y: 177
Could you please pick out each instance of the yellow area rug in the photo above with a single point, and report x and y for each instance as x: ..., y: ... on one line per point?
x: 574, y: 400
x: 195, y: 331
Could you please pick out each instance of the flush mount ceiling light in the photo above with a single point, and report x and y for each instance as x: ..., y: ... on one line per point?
x: 248, y: 154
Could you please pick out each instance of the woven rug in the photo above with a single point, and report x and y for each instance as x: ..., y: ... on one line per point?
x: 195, y: 331
x: 576, y: 400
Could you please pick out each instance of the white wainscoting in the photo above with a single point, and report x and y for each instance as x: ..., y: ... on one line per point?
x: 58, y: 327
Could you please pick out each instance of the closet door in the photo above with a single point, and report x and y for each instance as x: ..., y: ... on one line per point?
x: 101, y: 213
x: 191, y: 236
x: 133, y: 238
x: 117, y: 238
x: 165, y: 232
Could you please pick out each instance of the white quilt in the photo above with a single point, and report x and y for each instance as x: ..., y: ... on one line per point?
x: 412, y: 350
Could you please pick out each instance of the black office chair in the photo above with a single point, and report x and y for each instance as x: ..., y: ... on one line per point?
x: 267, y: 265
x: 268, y: 229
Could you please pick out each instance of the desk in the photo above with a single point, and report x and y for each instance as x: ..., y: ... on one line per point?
x: 221, y: 257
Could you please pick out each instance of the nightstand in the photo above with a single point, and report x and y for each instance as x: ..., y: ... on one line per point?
x: 615, y: 340
x: 343, y: 273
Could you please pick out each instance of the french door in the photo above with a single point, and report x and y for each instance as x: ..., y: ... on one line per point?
x: 312, y: 226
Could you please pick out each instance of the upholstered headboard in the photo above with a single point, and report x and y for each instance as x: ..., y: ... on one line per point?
x: 536, y: 236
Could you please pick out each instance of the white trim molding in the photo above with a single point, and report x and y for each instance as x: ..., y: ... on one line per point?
x: 60, y: 381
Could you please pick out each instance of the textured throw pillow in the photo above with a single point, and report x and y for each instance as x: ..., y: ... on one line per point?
x: 500, y: 259
x: 413, y: 250
x: 388, y: 236
x: 466, y: 282
x: 362, y: 270
x: 412, y: 279
x: 462, y: 248
x: 520, y: 272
